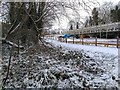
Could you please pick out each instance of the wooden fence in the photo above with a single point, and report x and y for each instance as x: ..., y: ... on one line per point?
x: 95, y: 42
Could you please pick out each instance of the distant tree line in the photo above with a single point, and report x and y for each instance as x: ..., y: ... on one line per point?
x: 95, y: 19
x: 74, y: 24
x: 105, y: 14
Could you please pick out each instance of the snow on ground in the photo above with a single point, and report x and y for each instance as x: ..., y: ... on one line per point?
x: 66, y: 66
x: 88, y: 48
x: 105, y: 57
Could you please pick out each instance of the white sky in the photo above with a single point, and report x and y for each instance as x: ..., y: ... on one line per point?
x: 64, y: 23
x: 114, y: 1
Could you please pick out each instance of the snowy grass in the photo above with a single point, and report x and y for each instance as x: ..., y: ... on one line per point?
x: 66, y: 66
x: 105, y: 57
x: 88, y: 48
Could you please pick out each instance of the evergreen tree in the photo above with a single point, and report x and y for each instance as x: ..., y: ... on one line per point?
x: 95, y: 16
x: 77, y: 26
x: 90, y: 21
x: 115, y: 13
x: 86, y: 22
x: 118, y: 15
x: 71, y: 27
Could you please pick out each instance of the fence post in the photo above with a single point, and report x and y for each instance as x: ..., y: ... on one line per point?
x: 66, y: 40
x: 117, y: 41
x: 73, y: 39
x: 95, y: 41
x: 63, y: 39
x: 82, y: 40
x: 106, y: 34
x: 58, y: 38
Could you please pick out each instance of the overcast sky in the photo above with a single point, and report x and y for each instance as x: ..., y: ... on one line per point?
x: 64, y: 21
x: 114, y: 1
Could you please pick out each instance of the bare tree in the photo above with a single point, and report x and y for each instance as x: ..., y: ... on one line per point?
x: 104, y: 12
x: 37, y: 16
